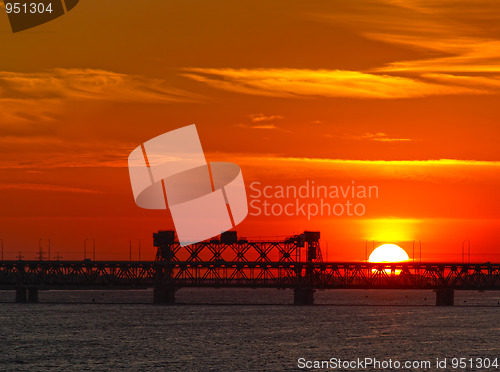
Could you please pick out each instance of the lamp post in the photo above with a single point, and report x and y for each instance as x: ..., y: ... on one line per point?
x: 413, y: 251
x: 465, y: 244
x: 420, y: 245
x: 130, y: 249
x: 40, y: 250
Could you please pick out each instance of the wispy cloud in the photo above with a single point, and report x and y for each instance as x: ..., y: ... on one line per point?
x: 34, y: 97
x: 47, y: 187
x: 257, y: 126
x: 58, y: 153
x: 87, y: 84
x: 262, y: 121
x: 265, y: 126
x: 457, y: 29
x: 257, y: 118
x: 485, y: 82
x: 452, y: 37
x: 430, y: 170
x: 379, y: 137
x: 468, y: 54
x: 315, y: 83
x: 471, y: 10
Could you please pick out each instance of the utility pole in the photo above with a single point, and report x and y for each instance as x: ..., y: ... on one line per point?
x: 420, y: 243
x: 40, y: 250
x: 464, y: 243
x: 20, y: 256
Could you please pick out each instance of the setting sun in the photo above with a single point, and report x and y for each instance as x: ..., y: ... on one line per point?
x: 388, y: 253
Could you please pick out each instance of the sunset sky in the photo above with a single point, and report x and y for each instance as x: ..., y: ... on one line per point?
x: 402, y: 94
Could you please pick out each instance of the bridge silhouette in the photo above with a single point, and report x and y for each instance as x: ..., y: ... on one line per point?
x: 294, y: 262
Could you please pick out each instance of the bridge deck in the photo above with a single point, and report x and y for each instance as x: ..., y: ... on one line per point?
x: 255, y: 274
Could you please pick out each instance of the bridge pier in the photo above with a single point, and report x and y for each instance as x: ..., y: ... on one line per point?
x: 32, y: 294
x: 20, y: 294
x: 164, y: 294
x: 303, y: 296
x: 445, y: 297
x: 164, y: 284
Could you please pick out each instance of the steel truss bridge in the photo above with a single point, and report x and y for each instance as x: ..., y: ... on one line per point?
x: 294, y: 262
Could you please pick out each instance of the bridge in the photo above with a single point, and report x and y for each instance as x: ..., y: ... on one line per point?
x: 294, y: 262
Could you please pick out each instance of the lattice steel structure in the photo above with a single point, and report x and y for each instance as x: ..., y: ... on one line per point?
x: 294, y: 262
x: 326, y: 275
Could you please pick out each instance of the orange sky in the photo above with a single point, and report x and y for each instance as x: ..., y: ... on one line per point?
x: 402, y: 94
